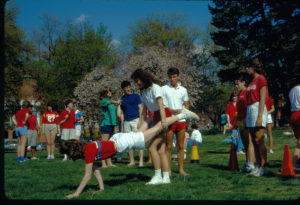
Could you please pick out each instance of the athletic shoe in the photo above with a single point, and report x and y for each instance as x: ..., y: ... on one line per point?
x: 247, y: 168
x: 49, y: 157
x: 240, y: 152
x: 261, y: 171
x: 189, y: 114
x: 271, y: 151
x: 155, y: 180
x: 34, y: 158
x: 166, y: 180
x: 254, y: 171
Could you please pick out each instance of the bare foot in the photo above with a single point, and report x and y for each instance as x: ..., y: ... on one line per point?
x: 183, y: 173
x: 72, y: 195
x: 131, y: 164
x: 112, y: 165
x: 141, y: 164
x: 104, y: 166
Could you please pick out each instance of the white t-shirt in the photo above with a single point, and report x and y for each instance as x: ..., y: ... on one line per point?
x: 175, y: 97
x: 149, y: 96
x: 196, y: 135
x: 294, y: 96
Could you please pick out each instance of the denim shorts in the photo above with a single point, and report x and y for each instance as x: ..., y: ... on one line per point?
x: 21, y: 131
x: 107, y: 129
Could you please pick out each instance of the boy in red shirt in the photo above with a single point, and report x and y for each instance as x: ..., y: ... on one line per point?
x: 32, y: 132
x: 67, y: 120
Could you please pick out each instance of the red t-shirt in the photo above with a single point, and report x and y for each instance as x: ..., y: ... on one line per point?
x: 269, y: 103
x: 20, y: 117
x: 231, y: 110
x: 107, y: 150
x: 253, y: 89
x: 241, y: 105
x: 50, y: 117
x: 70, y: 122
x: 32, y: 122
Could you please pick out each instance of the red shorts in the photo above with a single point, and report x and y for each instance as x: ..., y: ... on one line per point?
x: 295, y: 123
x: 157, y: 118
x: 178, y: 126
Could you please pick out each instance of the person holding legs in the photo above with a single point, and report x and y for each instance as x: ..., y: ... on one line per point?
x: 109, y: 121
x: 294, y: 97
x: 67, y: 121
x: 270, y: 109
x: 32, y: 132
x: 20, y: 120
x: 118, y: 143
x: 256, y: 117
x: 131, y: 108
x: 240, y: 84
x: 50, y: 127
x: 152, y: 98
x: 176, y: 97
x: 78, y: 120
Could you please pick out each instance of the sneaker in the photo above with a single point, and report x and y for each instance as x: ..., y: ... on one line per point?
x: 247, y: 169
x: 254, y: 171
x: 49, y: 157
x: 155, y: 180
x: 240, y: 152
x: 189, y: 114
x: 52, y: 156
x: 166, y: 180
x: 261, y: 171
x: 34, y: 158
x: 271, y: 151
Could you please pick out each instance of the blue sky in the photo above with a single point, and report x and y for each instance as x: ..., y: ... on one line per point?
x: 116, y: 15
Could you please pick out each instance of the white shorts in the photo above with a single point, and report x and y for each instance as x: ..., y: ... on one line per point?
x: 128, y: 141
x: 78, y: 130
x: 269, y: 119
x: 68, y: 134
x: 131, y: 126
x: 252, y: 114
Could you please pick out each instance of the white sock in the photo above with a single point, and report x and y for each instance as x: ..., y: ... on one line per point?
x: 166, y: 175
x: 157, y: 172
x: 250, y: 164
x: 66, y: 157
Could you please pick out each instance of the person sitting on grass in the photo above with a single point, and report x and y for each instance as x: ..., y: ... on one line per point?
x: 120, y: 142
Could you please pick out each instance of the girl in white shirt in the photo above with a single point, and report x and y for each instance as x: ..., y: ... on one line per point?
x: 152, y: 99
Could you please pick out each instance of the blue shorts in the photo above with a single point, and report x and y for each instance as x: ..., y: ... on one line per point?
x: 21, y: 131
x: 107, y: 129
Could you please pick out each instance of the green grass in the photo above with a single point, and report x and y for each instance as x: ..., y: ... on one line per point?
x: 208, y: 180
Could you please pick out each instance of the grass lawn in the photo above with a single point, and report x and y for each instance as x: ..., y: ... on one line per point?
x: 209, y: 180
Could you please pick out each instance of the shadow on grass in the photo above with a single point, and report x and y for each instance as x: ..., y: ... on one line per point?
x: 215, y: 166
x: 218, y: 152
x: 274, y: 163
x: 116, y: 182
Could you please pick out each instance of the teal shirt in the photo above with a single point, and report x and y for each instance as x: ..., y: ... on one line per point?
x: 223, y: 119
x: 108, y: 113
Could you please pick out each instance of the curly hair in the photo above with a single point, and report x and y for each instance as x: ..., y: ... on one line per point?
x: 73, y: 148
x: 144, y: 76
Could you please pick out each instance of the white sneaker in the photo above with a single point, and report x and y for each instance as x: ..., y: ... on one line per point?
x: 155, y: 180
x: 189, y: 114
x: 52, y: 156
x: 34, y: 158
x: 166, y: 180
x: 240, y: 152
x: 254, y: 171
x: 271, y: 151
x: 261, y: 171
x: 49, y: 157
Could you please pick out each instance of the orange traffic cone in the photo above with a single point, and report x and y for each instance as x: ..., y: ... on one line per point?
x: 287, y: 166
x: 233, y: 163
x: 195, y: 154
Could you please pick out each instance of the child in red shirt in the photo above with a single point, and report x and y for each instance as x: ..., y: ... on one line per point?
x: 67, y: 120
x: 120, y: 142
x: 32, y: 132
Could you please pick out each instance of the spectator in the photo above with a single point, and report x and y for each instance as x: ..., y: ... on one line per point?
x: 20, y: 120
x: 50, y: 127
x: 78, y: 120
x: 131, y: 108
x: 195, y: 136
x: 270, y: 109
x: 223, y: 122
x: 67, y: 121
x: 32, y: 132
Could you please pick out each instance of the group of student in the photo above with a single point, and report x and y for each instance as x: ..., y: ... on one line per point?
x: 249, y: 114
x: 67, y: 124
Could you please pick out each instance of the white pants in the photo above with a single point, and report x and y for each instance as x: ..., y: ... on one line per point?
x: 78, y: 130
x: 252, y: 114
x: 128, y: 141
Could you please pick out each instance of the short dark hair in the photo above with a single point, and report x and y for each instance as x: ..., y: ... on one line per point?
x: 194, y: 126
x: 125, y: 83
x: 242, y: 77
x: 73, y: 148
x: 173, y: 71
x: 103, y: 93
x: 25, y: 104
x: 67, y: 102
x: 233, y: 94
x: 144, y: 76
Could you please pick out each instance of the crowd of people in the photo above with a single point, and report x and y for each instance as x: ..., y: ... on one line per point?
x: 156, y: 116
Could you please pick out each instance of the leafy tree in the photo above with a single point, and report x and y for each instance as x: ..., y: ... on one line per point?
x: 266, y: 29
